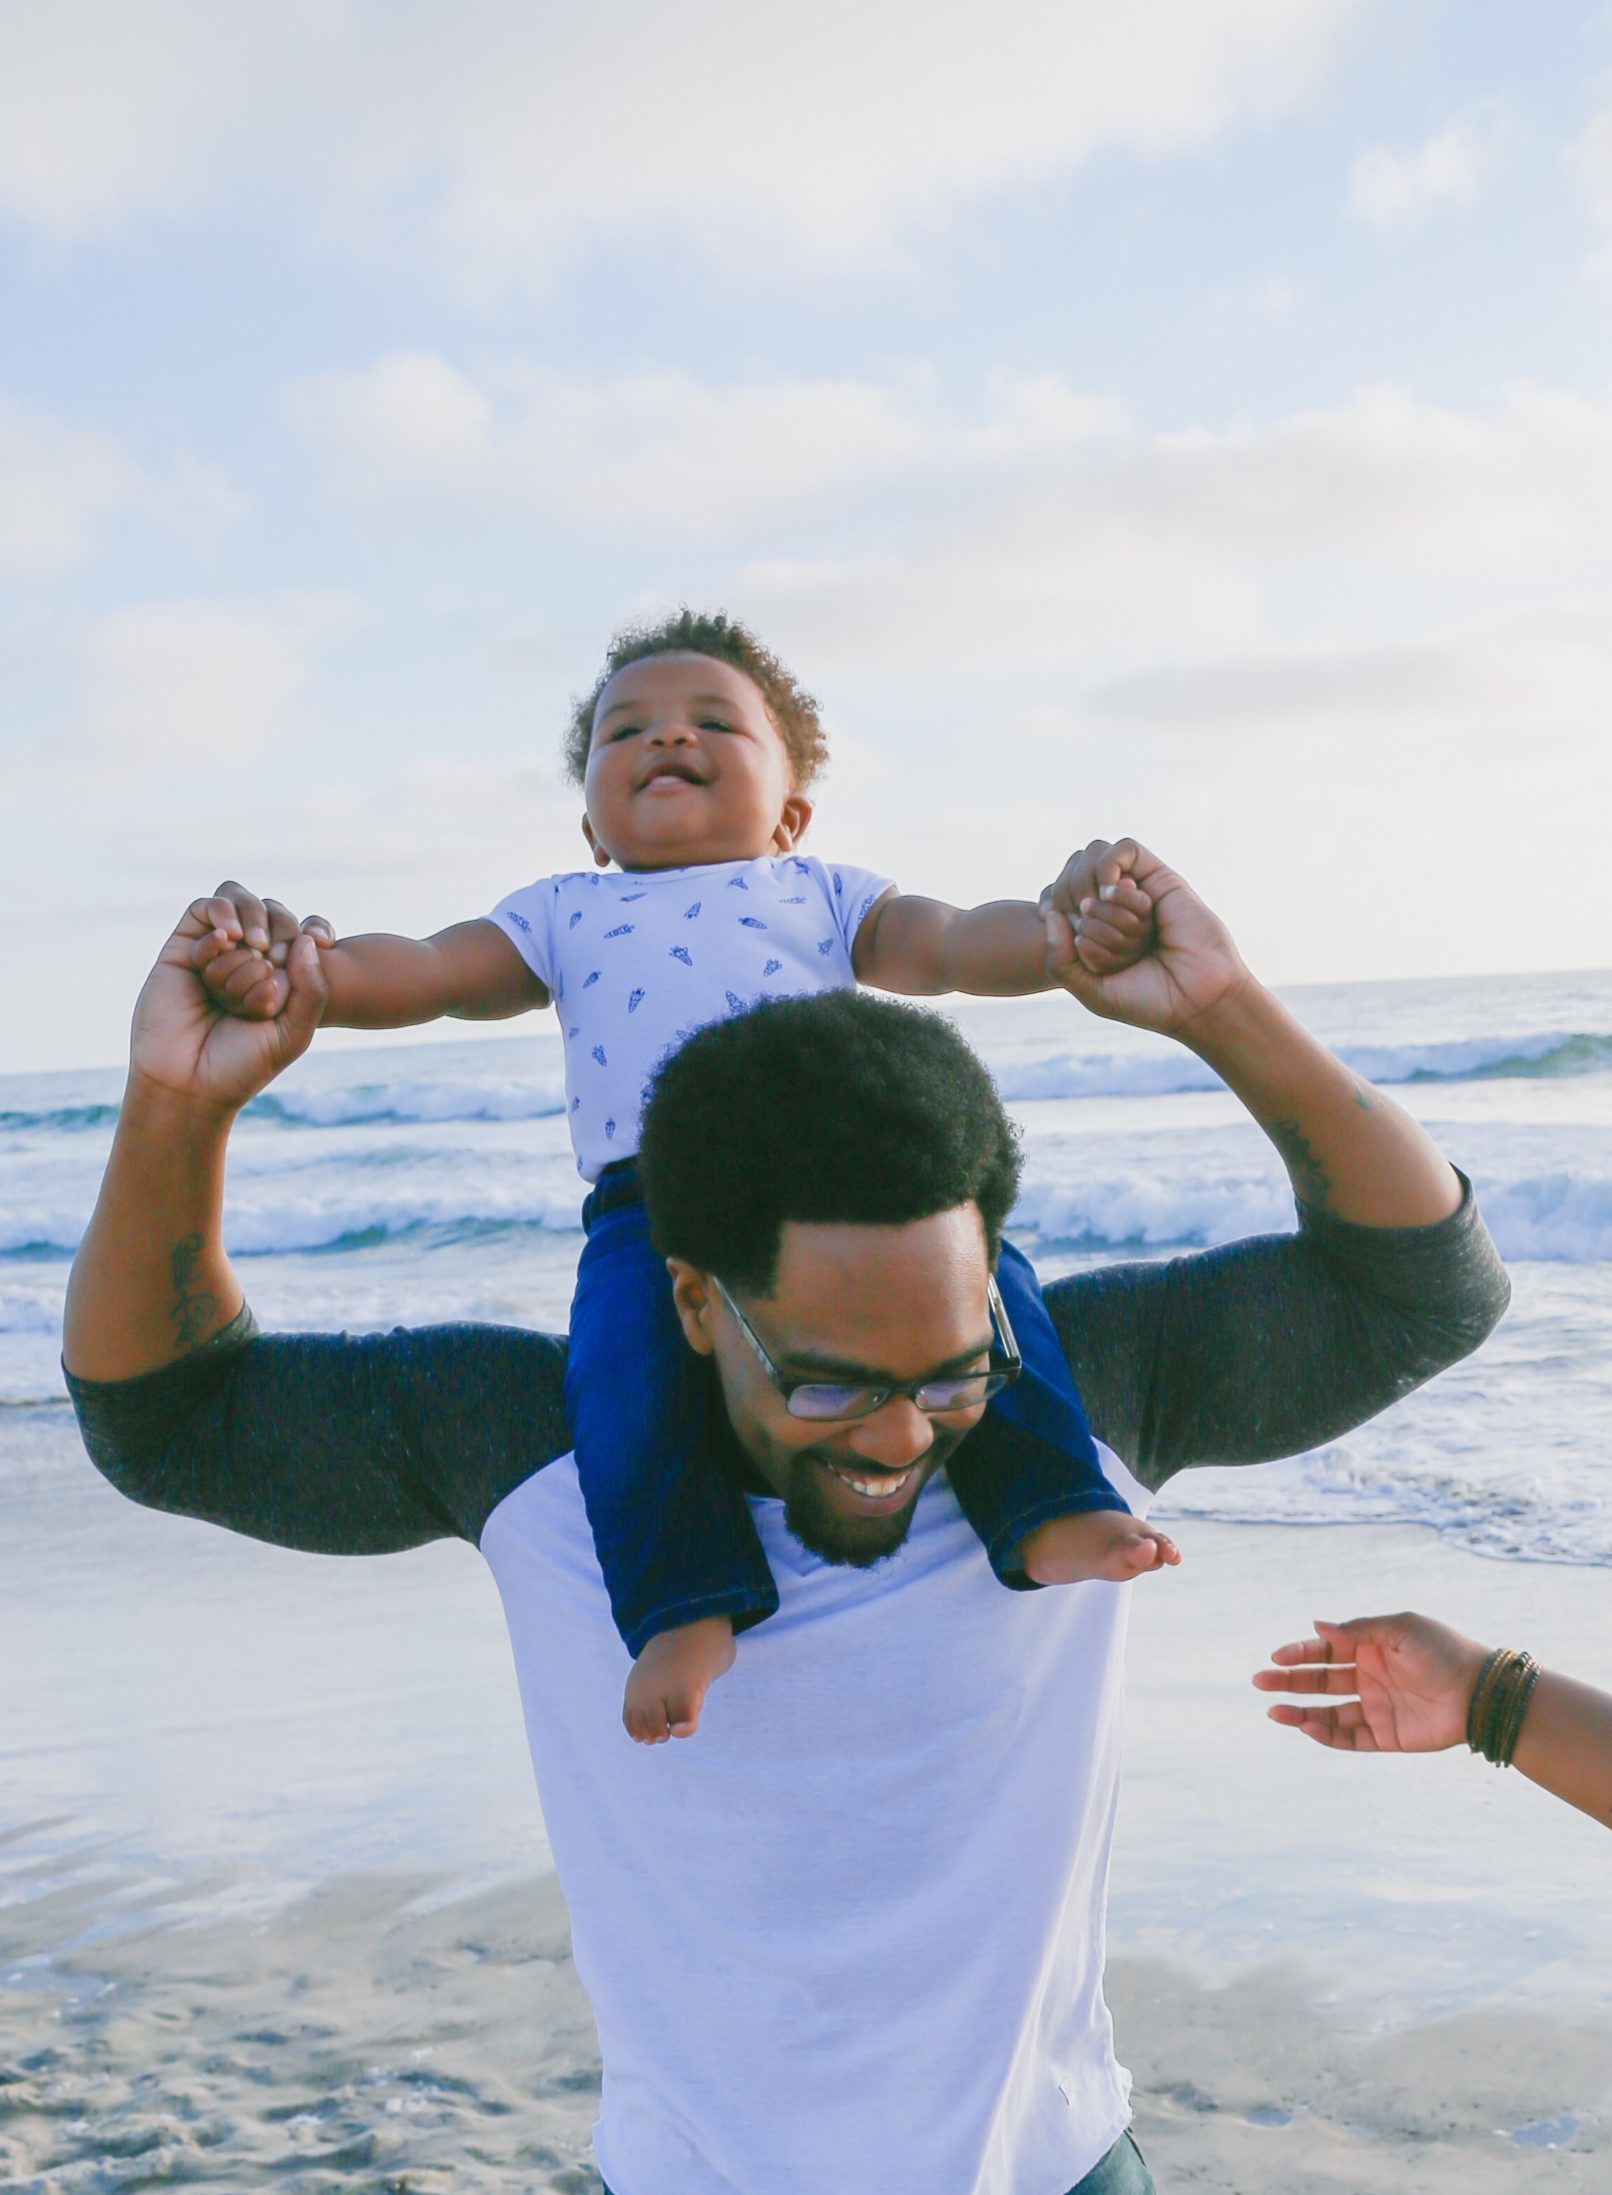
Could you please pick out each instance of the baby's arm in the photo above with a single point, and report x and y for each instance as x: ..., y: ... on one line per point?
x: 922, y: 947
x: 470, y: 971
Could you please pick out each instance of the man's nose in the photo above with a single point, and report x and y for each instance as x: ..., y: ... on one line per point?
x: 894, y: 1436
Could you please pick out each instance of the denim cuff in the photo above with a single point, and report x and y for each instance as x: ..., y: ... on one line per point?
x: 746, y: 1608
x: 1011, y: 1536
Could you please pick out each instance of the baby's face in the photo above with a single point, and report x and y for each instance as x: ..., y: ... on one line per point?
x: 687, y: 767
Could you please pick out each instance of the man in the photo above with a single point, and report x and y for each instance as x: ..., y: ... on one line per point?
x: 851, y: 1940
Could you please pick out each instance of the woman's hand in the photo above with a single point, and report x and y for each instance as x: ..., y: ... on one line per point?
x: 1410, y: 1681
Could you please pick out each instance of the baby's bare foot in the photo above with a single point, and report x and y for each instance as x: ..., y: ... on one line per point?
x: 1097, y: 1543
x: 670, y: 1678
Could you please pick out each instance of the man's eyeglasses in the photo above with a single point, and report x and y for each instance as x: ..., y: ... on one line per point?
x: 840, y: 1399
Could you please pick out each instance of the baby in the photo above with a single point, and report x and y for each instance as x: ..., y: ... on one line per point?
x: 696, y: 751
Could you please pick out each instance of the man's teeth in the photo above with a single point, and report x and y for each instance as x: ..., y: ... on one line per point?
x: 879, y: 1489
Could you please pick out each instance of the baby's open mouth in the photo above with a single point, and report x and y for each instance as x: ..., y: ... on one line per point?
x: 677, y: 772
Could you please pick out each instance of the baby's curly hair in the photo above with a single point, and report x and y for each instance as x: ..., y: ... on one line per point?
x: 696, y: 632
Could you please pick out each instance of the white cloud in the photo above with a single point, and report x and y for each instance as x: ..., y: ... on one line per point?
x: 180, y: 695
x: 108, y: 111
x: 498, y: 138
x: 1121, y: 549
x: 659, y: 453
x: 62, y: 486
x: 1541, y: 675
x: 58, y: 486
x: 1038, y: 528
x: 1592, y: 160
x: 1447, y: 170
x: 1041, y: 499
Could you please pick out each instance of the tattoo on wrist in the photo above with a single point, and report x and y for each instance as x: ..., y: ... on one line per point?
x: 1309, y: 1176
x: 194, y: 1310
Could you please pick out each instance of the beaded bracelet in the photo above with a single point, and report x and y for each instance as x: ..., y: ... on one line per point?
x: 1499, y: 1704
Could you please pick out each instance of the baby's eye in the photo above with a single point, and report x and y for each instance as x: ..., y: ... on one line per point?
x: 625, y: 731
x: 714, y: 724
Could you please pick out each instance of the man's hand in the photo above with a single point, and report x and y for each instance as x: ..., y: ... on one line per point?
x: 1410, y: 1681
x: 1191, y: 967
x: 189, y: 1042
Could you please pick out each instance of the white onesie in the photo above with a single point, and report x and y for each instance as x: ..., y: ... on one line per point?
x: 636, y: 962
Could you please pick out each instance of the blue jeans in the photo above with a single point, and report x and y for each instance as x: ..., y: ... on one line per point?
x: 674, y: 1537
x: 1122, y: 2172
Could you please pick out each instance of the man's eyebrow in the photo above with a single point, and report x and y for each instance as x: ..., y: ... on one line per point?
x: 809, y: 1362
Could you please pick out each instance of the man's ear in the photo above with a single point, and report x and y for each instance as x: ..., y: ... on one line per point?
x: 797, y: 813
x: 601, y: 860
x: 694, y: 1300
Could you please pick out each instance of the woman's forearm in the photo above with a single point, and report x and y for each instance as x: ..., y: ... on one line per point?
x: 151, y: 1280
x: 1565, y: 1744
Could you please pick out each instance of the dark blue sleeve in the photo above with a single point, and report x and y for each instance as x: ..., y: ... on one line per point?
x: 337, y: 1443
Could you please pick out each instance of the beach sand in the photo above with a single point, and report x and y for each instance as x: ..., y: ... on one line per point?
x: 358, y: 2042
x: 1254, y: 2088
x: 1326, y: 1974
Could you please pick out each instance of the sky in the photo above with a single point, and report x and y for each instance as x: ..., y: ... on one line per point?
x: 1191, y: 419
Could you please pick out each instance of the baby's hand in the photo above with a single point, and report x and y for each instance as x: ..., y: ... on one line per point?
x: 1105, y: 912
x: 241, y: 960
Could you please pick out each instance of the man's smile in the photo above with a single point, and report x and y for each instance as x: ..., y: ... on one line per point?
x: 880, y: 1489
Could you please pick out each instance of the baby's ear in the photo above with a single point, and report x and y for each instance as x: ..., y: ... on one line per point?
x: 601, y: 860
x: 797, y: 813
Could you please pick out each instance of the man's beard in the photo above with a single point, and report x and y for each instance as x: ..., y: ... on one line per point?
x: 851, y: 1541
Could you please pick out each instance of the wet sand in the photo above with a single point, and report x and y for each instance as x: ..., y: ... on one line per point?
x: 1256, y: 2090
x: 368, y: 2039
x: 352, y: 2042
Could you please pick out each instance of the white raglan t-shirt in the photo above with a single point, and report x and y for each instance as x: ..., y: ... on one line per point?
x: 636, y: 962
x: 848, y: 1940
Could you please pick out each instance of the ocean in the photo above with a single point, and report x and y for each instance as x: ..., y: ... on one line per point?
x: 405, y: 1184
x: 200, y: 1735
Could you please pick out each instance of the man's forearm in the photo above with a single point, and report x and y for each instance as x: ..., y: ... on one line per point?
x: 1348, y: 1150
x: 151, y: 1280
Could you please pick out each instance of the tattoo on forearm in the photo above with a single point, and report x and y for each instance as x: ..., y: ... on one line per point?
x: 1309, y: 1176
x: 194, y: 1310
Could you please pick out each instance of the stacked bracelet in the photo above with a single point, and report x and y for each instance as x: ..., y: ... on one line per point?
x: 1499, y: 1703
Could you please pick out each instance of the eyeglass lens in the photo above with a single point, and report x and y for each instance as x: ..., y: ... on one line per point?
x: 818, y: 1399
